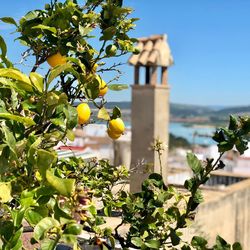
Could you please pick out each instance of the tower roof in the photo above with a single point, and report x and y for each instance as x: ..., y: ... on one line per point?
x: 154, y: 51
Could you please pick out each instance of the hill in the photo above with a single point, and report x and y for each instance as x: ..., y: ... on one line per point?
x: 217, y: 115
x: 240, y: 110
x: 183, y: 110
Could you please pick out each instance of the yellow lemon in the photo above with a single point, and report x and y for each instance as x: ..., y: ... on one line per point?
x: 56, y: 59
x: 84, y: 113
x: 113, y: 135
x: 117, y: 126
x: 103, y: 88
x: 95, y: 67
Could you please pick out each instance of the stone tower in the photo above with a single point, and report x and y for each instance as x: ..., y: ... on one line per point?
x: 150, y: 108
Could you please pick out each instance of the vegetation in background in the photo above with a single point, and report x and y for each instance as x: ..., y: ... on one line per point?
x: 178, y: 142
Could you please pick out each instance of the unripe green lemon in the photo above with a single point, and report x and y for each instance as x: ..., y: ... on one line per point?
x: 74, y: 229
x: 47, y: 6
x: 111, y: 50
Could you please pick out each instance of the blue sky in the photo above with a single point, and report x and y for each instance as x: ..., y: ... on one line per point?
x: 209, y: 39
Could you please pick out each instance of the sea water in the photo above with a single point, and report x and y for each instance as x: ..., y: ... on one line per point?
x: 194, y: 134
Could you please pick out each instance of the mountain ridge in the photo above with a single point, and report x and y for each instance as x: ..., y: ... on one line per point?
x: 178, y: 109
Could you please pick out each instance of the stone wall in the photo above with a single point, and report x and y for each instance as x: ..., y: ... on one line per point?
x: 227, y: 215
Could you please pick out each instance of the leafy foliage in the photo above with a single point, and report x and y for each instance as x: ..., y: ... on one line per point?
x: 59, y: 199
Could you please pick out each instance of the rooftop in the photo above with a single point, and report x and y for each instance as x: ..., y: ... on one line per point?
x: 154, y: 51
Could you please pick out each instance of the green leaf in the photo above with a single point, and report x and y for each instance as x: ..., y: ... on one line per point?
x: 44, y: 161
x: 3, y: 47
x: 241, y: 145
x: 32, y: 150
x: 108, y: 33
x: 194, y: 163
x: 175, y: 239
x: 60, y: 214
x: 62, y: 186
x: 225, y: 146
x: 52, y: 98
x: 17, y: 216
x: 9, y: 20
x: 198, y: 197
x: 112, y: 241
x: 70, y: 135
x: 116, y: 113
x: 45, y: 27
x: 69, y: 239
x: 43, y: 226
x: 27, y: 199
x: 71, y: 116
x: 13, y: 84
x: 198, y: 242
x: 36, y: 214
x: 107, y: 210
x: 92, y: 89
x: 6, y: 229
x: 237, y: 246
x: 58, y: 121
x: 37, y: 81
x: 233, y: 124
x: 21, y: 119
x: 103, y: 114
x: 15, y: 242
x: 137, y: 241
x: 5, y: 192
x: 221, y: 244
x: 186, y: 247
x: 117, y: 87
x: 153, y: 244
x: 84, y: 30
x: 29, y: 16
x: 92, y: 210
x: 48, y: 244
x: 16, y: 75
x: 55, y: 72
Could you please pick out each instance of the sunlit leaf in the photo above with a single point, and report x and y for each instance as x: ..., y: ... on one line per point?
x: 44, y: 27
x: 55, y: 72
x: 21, y: 119
x: 17, y: 75
x: 9, y: 20
x: 52, y: 98
x: 37, y: 81
x: 103, y: 114
x: 44, y: 160
x: 194, y: 163
x: 153, y: 244
x: 43, y: 226
x: 5, y: 191
x: 117, y: 87
x: 62, y: 186
x: 36, y: 214
x: 137, y: 241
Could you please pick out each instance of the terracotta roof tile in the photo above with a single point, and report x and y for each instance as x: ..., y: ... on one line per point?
x: 154, y: 50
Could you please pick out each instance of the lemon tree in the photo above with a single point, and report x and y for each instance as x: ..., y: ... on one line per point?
x: 37, y: 111
x: 54, y: 199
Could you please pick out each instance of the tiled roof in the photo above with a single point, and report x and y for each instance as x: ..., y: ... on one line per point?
x: 154, y: 50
